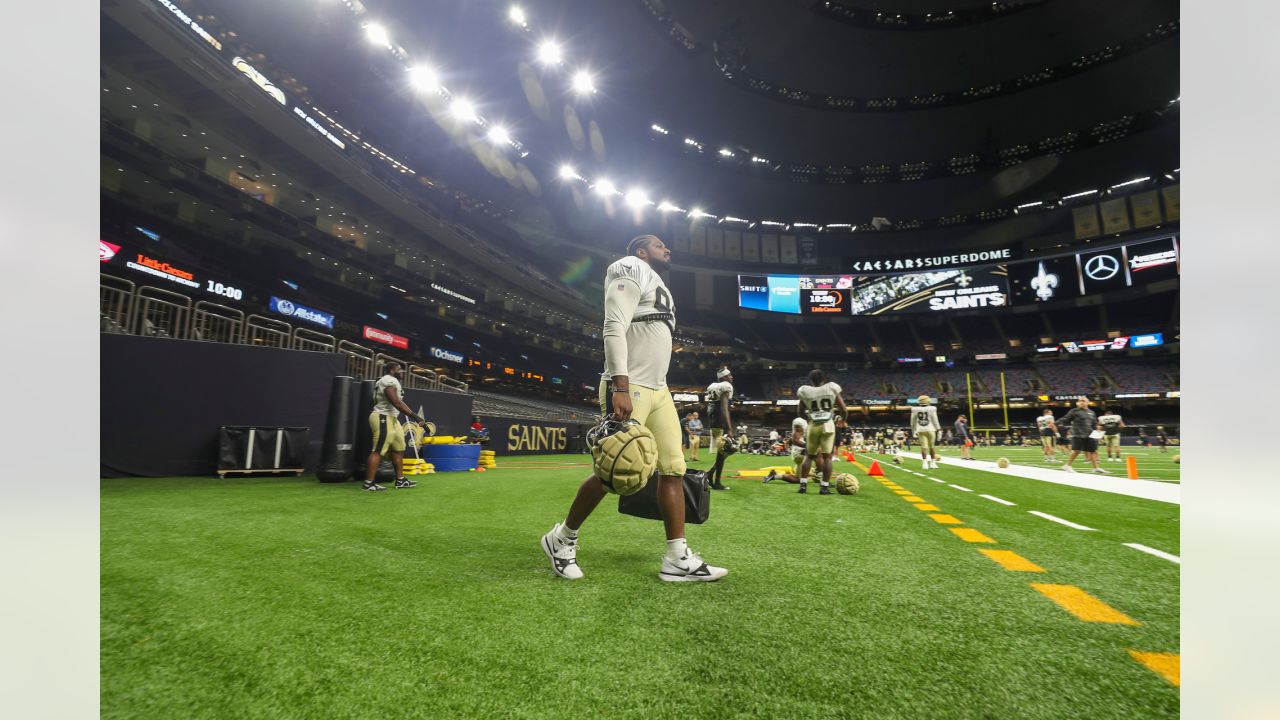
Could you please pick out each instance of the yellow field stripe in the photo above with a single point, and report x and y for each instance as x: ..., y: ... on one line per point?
x: 971, y: 535
x: 1166, y: 665
x: 1010, y: 560
x: 912, y: 499
x: 925, y: 506
x: 945, y: 519
x: 1083, y: 605
x: 902, y: 492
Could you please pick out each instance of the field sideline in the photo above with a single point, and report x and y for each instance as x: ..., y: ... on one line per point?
x: 1152, y: 464
x: 284, y: 597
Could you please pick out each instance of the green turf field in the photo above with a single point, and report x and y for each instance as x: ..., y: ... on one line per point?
x: 287, y: 598
x: 1152, y: 464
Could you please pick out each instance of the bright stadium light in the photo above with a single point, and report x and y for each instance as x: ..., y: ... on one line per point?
x: 668, y: 206
x: 517, y: 16
x: 773, y: 223
x: 550, y: 53
x: 1134, y: 181
x: 424, y: 77
x: 583, y: 83
x: 726, y: 152
x: 1024, y: 206
x: 637, y: 199
x: 498, y: 135
x: 568, y: 173
x: 605, y: 187
x: 1073, y: 196
x: 658, y: 129
x: 462, y: 109
x: 698, y: 213
x: 377, y: 34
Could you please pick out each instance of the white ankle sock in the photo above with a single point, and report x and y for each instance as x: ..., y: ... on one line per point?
x: 677, y: 548
x: 565, y: 533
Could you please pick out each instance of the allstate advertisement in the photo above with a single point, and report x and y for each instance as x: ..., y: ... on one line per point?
x: 301, y: 312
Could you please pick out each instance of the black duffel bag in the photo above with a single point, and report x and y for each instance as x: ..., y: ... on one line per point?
x: 697, y: 499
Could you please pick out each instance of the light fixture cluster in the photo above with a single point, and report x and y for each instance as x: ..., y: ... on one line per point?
x: 960, y: 17
x: 425, y: 78
x: 730, y: 58
x: 736, y: 157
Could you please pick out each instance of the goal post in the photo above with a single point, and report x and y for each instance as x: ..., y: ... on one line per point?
x: 1004, y: 406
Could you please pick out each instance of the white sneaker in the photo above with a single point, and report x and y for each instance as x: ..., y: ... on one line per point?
x: 1068, y: 468
x: 689, y: 568
x: 563, y: 554
x: 1101, y: 471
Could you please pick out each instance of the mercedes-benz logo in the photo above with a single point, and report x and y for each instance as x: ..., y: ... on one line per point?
x: 1101, y: 267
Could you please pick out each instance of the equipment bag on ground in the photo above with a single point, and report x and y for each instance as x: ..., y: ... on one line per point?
x: 697, y: 499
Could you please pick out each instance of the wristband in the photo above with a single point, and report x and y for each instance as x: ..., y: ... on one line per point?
x: 622, y: 390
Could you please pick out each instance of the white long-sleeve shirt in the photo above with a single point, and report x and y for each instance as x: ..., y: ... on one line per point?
x: 639, y: 350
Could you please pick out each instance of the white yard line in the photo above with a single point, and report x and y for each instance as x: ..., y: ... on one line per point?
x: 1059, y: 520
x: 993, y: 498
x: 1119, y: 485
x: 958, y: 487
x: 1152, y: 551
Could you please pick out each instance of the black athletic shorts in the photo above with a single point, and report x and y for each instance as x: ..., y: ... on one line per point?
x: 1084, y: 444
x: 1046, y: 433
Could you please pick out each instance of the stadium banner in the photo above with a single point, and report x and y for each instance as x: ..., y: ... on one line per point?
x: 517, y: 436
x: 937, y: 291
x: 1102, y: 270
x: 698, y: 239
x: 1043, y: 280
x: 751, y: 247
x: 680, y: 231
x: 732, y: 245
x: 301, y: 312
x: 808, y: 251
x: 715, y: 243
x: 787, y: 250
x: 1153, y: 261
x: 1146, y: 209
x: 1170, y: 194
x: 387, y: 338
x: 1086, y: 220
x: 887, y: 265
x: 1115, y: 215
x: 769, y: 249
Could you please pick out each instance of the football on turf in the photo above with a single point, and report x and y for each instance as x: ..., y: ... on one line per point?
x: 1177, y: 459
x: 846, y: 484
x: 1002, y: 463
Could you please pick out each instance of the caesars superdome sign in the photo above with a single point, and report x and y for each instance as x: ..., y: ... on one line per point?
x: 925, y: 262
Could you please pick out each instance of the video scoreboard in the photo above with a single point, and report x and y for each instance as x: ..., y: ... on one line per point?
x: 945, y: 290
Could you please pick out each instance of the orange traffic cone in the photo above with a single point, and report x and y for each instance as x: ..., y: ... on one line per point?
x: 874, y: 470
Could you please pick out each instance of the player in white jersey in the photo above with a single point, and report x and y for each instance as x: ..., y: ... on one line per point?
x: 924, y: 423
x: 899, y: 441
x: 858, y: 445
x: 639, y: 319
x: 795, y: 442
x: 1048, y: 435
x: 719, y: 393
x: 818, y: 401
x: 1111, y: 424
